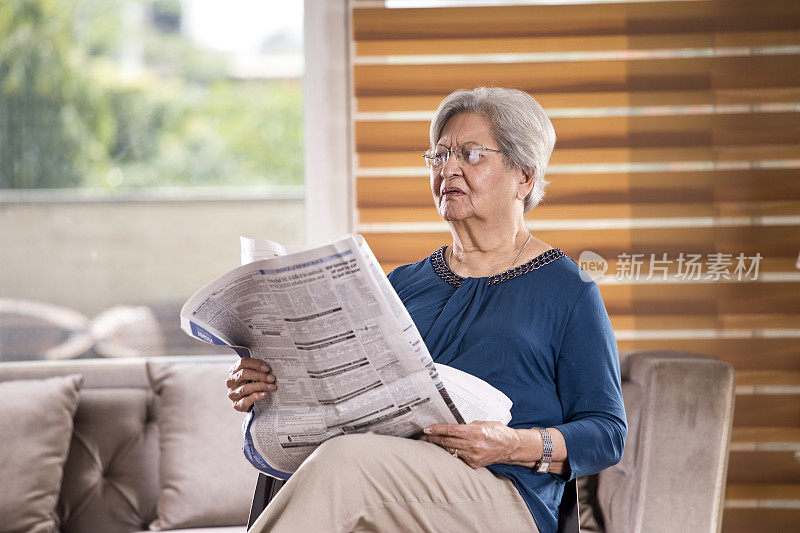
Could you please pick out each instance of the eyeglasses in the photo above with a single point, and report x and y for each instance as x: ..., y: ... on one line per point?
x: 467, y: 153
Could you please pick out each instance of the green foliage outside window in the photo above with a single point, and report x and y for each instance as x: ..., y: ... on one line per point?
x: 71, y: 116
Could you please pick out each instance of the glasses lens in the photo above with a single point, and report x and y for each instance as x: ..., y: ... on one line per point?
x: 439, y: 158
x: 471, y: 154
x: 430, y: 158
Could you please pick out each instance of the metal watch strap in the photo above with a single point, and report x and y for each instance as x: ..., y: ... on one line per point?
x: 542, y: 466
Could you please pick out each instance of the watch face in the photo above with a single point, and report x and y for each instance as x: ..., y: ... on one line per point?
x: 542, y: 468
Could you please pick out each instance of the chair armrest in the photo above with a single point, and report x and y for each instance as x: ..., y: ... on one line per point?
x: 672, y: 475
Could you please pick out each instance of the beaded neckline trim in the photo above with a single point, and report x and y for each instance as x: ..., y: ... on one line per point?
x: 444, y: 272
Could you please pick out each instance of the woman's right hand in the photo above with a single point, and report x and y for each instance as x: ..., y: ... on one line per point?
x: 248, y: 381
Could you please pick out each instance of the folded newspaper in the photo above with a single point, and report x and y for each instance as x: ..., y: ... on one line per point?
x: 346, y: 354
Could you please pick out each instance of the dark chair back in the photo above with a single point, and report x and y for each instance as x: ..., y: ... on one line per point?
x: 266, y: 489
x: 569, y: 519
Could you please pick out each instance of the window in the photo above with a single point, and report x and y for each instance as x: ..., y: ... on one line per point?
x: 138, y: 140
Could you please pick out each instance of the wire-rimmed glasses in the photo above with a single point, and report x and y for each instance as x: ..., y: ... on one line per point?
x: 469, y: 153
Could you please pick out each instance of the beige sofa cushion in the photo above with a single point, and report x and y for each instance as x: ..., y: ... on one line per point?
x: 36, y: 421
x: 233, y: 529
x: 205, y: 479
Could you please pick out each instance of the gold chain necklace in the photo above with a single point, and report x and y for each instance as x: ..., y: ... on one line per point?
x: 450, y: 259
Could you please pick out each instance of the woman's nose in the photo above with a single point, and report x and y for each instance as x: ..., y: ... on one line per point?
x: 451, y: 165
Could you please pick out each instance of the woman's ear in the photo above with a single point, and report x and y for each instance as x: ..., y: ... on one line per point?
x: 525, y: 184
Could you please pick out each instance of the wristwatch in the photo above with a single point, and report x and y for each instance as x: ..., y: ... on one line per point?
x: 542, y: 466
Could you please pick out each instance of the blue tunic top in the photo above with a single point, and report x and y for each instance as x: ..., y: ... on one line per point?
x: 540, y: 334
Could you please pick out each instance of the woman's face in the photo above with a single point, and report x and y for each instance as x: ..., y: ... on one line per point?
x: 487, y: 190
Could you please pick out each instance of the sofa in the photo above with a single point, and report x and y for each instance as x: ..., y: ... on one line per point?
x: 153, y: 444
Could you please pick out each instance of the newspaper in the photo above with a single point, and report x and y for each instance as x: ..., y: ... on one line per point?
x: 346, y: 353
x: 474, y: 398
x: 255, y: 249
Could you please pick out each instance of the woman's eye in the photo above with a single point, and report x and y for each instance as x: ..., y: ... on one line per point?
x: 473, y: 156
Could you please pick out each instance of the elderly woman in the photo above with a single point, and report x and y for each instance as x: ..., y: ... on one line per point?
x: 498, y: 303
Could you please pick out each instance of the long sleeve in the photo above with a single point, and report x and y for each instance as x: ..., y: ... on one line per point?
x: 589, y: 387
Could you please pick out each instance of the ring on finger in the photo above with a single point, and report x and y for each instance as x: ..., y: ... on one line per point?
x: 455, y: 453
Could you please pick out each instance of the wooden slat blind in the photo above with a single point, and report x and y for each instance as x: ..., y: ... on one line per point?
x: 678, y: 126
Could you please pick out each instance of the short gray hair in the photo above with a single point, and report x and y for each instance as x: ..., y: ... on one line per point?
x: 520, y: 127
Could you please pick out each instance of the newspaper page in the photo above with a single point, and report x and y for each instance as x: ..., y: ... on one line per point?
x: 255, y: 249
x: 345, y: 352
x: 474, y: 398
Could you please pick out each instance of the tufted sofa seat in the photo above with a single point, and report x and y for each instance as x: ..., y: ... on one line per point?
x: 111, y: 475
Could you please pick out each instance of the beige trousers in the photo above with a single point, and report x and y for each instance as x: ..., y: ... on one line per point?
x: 369, y: 482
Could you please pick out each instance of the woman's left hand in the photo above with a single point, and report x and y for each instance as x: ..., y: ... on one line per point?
x: 479, y: 443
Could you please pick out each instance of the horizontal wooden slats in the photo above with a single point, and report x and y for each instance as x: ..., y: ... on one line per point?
x: 551, y: 100
x: 783, y: 378
x: 762, y: 455
x: 767, y: 410
x: 762, y: 507
x: 619, y: 270
x: 782, y: 241
x: 690, y: 73
x: 765, y: 491
x: 763, y: 467
x: 780, y: 435
x: 558, y: 45
x: 753, y: 520
x: 677, y: 321
x: 586, y: 211
x: 693, y: 299
x: 585, y: 156
x: 678, y: 128
x: 645, y: 187
x: 638, y: 270
x: 743, y: 353
x: 611, y: 132
x: 650, y: 298
x: 687, y: 187
x: 593, y: 19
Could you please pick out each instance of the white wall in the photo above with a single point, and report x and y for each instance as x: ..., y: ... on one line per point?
x: 327, y: 126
